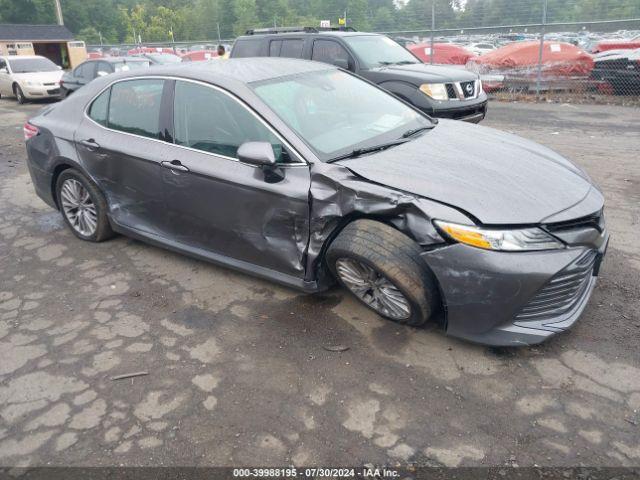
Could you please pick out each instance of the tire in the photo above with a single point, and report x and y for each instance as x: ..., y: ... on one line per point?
x: 101, y: 228
x: 19, y: 94
x: 395, y: 258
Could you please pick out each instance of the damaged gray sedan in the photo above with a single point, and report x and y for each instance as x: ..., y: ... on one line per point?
x: 302, y: 173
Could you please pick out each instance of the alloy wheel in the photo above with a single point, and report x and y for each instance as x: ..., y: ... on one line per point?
x: 373, y: 288
x: 78, y: 207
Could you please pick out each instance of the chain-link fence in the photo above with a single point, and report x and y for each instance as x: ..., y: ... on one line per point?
x: 558, y: 50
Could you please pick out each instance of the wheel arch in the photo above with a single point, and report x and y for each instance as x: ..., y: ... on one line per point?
x: 62, y: 164
x: 321, y: 265
x: 323, y: 270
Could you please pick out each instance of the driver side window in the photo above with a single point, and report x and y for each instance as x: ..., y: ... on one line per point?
x: 207, y: 119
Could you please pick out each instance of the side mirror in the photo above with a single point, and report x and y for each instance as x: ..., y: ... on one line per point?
x: 259, y: 154
x: 4, y: 70
x: 59, y: 67
x: 341, y: 63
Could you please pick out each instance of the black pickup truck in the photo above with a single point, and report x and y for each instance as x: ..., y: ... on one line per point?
x: 439, y: 91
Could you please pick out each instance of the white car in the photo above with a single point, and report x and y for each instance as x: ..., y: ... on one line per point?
x: 481, y: 48
x: 28, y: 77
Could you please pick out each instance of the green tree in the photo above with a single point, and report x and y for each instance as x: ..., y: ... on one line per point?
x: 246, y: 18
x: 90, y: 35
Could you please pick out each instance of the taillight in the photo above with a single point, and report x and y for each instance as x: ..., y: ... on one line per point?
x: 29, y: 131
x: 61, y: 82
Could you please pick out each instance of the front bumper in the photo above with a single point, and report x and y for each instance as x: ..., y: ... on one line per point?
x: 44, y: 91
x: 506, y: 298
x: 474, y: 113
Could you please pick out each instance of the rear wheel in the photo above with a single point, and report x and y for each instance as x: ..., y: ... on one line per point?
x: 19, y: 94
x: 383, y: 269
x: 83, y: 207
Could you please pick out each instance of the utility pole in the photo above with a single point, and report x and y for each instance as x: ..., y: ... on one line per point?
x: 433, y: 27
x: 544, y: 23
x: 275, y: 25
x: 219, y: 39
x: 59, y: 13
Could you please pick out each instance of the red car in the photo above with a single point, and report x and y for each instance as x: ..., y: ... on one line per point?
x: 199, y: 55
x: 617, y: 45
x: 138, y: 50
x: 443, y: 53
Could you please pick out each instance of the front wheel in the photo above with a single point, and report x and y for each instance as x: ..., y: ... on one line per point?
x: 83, y: 207
x: 383, y: 269
x: 19, y: 95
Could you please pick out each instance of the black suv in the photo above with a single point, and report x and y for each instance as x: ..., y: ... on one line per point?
x: 438, y: 91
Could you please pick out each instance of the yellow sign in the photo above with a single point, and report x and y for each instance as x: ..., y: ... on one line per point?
x: 342, y: 21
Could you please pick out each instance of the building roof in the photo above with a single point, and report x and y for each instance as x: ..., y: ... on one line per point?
x: 20, y: 32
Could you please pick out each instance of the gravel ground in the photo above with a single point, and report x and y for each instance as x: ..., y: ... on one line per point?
x: 238, y: 372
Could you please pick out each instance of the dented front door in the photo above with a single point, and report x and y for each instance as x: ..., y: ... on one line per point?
x: 225, y: 207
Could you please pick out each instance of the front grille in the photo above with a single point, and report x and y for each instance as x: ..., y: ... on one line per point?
x: 563, y: 292
x: 590, y: 221
x: 451, y: 91
x: 49, y: 84
x: 468, y: 89
x: 54, y: 91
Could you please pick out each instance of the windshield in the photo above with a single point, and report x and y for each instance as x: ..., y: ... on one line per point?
x: 378, y: 50
x: 336, y: 113
x: 164, y: 58
x: 124, y: 67
x: 28, y: 65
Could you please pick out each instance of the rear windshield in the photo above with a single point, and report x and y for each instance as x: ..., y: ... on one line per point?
x: 26, y: 65
x: 247, y: 48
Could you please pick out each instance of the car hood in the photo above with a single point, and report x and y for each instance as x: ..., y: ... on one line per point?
x: 420, y: 73
x: 496, y: 177
x: 44, y: 77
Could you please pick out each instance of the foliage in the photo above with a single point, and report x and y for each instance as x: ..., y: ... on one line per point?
x: 153, y: 20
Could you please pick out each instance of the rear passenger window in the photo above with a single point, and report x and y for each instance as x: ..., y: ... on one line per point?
x: 247, y: 48
x: 85, y: 71
x: 209, y: 120
x: 99, y: 107
x: 134, y: 107
x: 291, y: 48
x: 274, y: 48
x: 328, y: 51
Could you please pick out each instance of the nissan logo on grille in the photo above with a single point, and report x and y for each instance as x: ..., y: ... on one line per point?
x: 469, y: 88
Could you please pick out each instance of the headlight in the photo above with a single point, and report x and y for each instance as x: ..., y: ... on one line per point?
x: 32, y: 83
x: 437, y: 91
x: 504, y: 240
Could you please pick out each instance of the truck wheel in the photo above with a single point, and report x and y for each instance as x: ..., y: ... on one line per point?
x: 83, y: 207
x: 383, y: 269
x: 19, y: 94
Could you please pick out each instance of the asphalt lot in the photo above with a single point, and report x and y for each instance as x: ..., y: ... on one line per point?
x: 238, y: 372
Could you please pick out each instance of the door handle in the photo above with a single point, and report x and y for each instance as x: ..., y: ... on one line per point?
x: 91, y: 144
x: 174, y: 165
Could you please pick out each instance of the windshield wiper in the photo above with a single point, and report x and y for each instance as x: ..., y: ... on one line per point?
x: 413, y: 131
x: 363, y: 151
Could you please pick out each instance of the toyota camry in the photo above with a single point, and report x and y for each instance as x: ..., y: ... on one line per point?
x: 304, y: 174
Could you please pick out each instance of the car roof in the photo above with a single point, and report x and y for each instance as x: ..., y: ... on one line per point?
x: 237, y: 70
x: 327, y: 33
x: 118, y: 59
